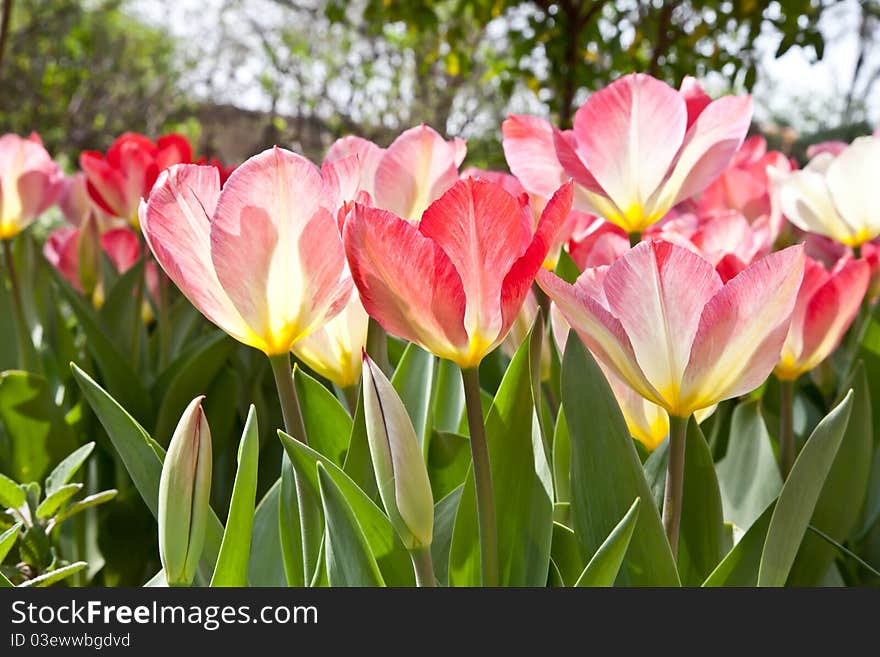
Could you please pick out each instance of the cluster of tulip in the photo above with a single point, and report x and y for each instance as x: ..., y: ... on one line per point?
x: 689, y: 261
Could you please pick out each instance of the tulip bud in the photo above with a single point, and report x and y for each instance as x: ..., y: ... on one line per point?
x: 89, y: 261
x: 397, y: 460
x: 184, y: 496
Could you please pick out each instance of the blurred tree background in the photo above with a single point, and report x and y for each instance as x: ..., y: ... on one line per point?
x: 238, y: 75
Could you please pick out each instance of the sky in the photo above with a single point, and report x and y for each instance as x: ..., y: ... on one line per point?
x: 793, y: 88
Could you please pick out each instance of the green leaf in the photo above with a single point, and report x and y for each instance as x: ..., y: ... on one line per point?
x: 119, y: 375
x: 328, y: 424
x: 192, y: 378
x: 358, y: 462
x: 843, y: 494
x: 289, y: 528
x: 7, y: 540
x: 33, y: 424
x: 4, y: 582
x: 85, y: 503
x: 118, y: 313
x: 65, y: 470
x: 799, y: 495
x: 448, y: 397
x: 11, y: 494
x: 266, y: 567
x: 347, y: 552
x: 607, y: 474
x: 605, y: 564
x: 53, y: 502
x: 390, y: 554
x: 413, y: 381
x: 444, y: 522
x: 561, y: 460
x: 232, y: 562
x: 50, y: 578
x: 655, y: 471
x: 566, y: 554
x: 740, y: 566
x: 566, y: 269
x: 523, y: 488
x: 748, y: 475
x: 701, y: 542
x: 449, y: 458
x: 132, y: 444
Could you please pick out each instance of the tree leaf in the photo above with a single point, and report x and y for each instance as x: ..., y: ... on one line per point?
x: 347, y: 552
x: 235, y: 549
x: 328, y: 424
x: 65, y: 470
x: 53, y: 502
x: 799, y: 495
x: 603, y: 568
x: 748, y: 475
x: 607, y: 475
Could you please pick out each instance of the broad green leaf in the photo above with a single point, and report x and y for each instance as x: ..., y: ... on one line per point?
x: 448, y: 395
x: 748, y: 475
x: 843, y: 494
x: 192, y: 379
x: 655, y: 471
x: 50, y: 578
x: 566, y: 554
x: 358, y: 462
x: 120, y: 309
x: 53, y: 502
x: 33, y: 424
x: 232, y: 562
x: 7, y: 540
x: 561, y: 460
x: 799, y: 495
x: 142, y: 463
x: 869, y: 354
x: 347, y: 552
x: 266, y: 567
x: 701, y: 541
x: 566, y: 269
x: 66, y: 470
x: 11, y: 494
x: 449, y: 458
x: 413, y: 379
x: 740, y: 566
x: 4, y: 582
x: 385, y: 545
x: 605, y: 564
x: 444, y: 522
x: 523, y: 488
x: 116, y: 370
x: 289, y: 528
x: 328, y: 424
x: 607, y: 475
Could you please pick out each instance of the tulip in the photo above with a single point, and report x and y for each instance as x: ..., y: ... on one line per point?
x: 834, y: 148
x: 834, y: 195
x: 520, y: 329
x: 639, y: 147
x: 223, y: 170
x: 661, y: 319
x: 597, y: 243
x: 400, y: 470
x: 185, y: 496
x: 30, y: 182
x: 118, y: 181
x: 77, y: 206
x: 827, y: 303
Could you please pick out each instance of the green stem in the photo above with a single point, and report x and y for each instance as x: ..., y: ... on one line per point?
x: 377, y: 346
x: 296, y: 428
x: 423, y: 566
x: 786, y: 426
x: 634, y: 238
x: 138, y: 304
x: 22, y: 333
x: 351, y: 398
x: 674, y: 480
x: 164, y: 321
x: 482, y: 477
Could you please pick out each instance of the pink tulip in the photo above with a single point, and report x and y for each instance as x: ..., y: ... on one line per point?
x: 833, y: 148
x: 118, y: 181
x: 262, y: 258
x: 405, y: 178
x: 871, y: 255
x: 597, y: 243
x: 455, y: 281
x: 30, y: 182
x: 78, y: 207
x: 826, y: 306
x: 661, y: 319
x: 638, y: 148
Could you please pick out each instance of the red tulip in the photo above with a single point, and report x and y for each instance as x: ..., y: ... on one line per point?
x: 118, y: 181
x: 30, y: 182
x: 455, y: 281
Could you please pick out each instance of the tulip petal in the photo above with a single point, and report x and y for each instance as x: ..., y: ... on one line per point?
x: 61, y: 249
x: 657, y: 291
x: 695, y: 98
x: 105, y: 185
x: 406, y: 281
x: 368, y: 155
x: 851, y: 179
x: 531, y: 154
x: 742, y: 330
x: 176, y: 224
x: 122, y: 247
x: 805, y: 199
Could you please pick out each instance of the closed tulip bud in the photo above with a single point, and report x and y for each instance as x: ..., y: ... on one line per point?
x: 397, y: 460
x: 184, y: 496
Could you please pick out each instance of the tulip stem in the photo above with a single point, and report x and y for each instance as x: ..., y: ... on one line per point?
x: 482, y: 477
x: 351, y: 397
x: 21, y: 329
x: 786, y: 426
x: 138, y: 303
x: 634, y: 238
x: 377, y: 346
x: 296, y: 428
x: 423, y: 565
x: 674, y: 480
x: 163, y: 320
